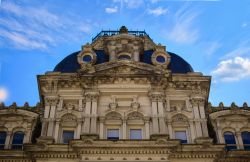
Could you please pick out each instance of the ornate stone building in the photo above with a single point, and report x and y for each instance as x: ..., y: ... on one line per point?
x: 124, y: 98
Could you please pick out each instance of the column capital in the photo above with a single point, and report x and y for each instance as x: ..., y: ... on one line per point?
x: 157, y: 96
x: 92, y: 96
x: 51, y: 101
x: 197, y: 101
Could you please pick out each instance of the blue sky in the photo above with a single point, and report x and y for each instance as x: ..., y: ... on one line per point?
x: 212, y: 35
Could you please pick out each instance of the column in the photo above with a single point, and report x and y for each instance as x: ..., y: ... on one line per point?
x: 44, y: 128
x: 161, y: 118
x: 220, y: 136
x: 136, y: 53
x: 155, y: 118
x: 60, y: 105
x: 170, y: 130
x: 56, y: 134
x: 86, y: 124
x: 147, y: 135
x: 239, y: 139
x: 78, y: 128
x: 192, y: 130
x: 101, y: 134
x: 51, y: 121
x: 203, y: 117
x: 7, y: 144
x: 27, y: 135
x: 124, y: 128
x: 204, y: 128
x: 93, y: 116
x: 197, y: 118
x: 80, y: 105
x: 47, y: 110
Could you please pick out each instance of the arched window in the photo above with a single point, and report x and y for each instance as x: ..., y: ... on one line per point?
x: 230, y: 141
x: 2, y: 139
x: 17, y: 141
x: 246, y: 139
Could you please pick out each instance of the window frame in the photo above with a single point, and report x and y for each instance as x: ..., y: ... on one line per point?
x: 141, y: 131
x: 182, y: 140
x: 246, y: 142
x: 230, y: 146
x: 67, y: 130
x: 113, y: 138
x: 18, y: 146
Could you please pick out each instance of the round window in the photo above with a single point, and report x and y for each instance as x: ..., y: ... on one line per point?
x: 160, y: 59
x: 86, y: 58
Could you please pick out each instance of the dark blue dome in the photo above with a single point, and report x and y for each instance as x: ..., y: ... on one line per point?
x: 70, y: 65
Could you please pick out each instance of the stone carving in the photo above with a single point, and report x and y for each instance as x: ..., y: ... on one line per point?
x: 179, y: 118
x: 113, y: 116
x: 135, y: 115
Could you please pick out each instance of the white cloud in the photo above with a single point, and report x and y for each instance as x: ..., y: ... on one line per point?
x: 157, y: 11
x: 232, y: 70
x: 111, y: 9
x: 240, y: 51
x: 212, y: 47
x: 30, y: 27
x: 244, y: 24
x: 184, y: 30
x: 131, y: 4
x: 3, y: 94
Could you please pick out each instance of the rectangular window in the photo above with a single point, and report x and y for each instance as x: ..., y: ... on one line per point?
x: 113, y: 134
x: 181, y: 135
x: 135, y: 134
x: 67, y: 136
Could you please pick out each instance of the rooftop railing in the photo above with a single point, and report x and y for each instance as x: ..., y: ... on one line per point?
x: 104, y: 33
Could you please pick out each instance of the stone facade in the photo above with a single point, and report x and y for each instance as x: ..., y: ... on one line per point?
x: 124, y: 110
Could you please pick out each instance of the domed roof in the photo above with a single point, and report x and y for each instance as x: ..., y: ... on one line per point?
x: 70, y: 65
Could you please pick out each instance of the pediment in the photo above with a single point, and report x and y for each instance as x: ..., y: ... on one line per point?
x: 124, y: 67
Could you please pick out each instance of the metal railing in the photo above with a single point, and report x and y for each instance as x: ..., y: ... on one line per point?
x: 104, y: 33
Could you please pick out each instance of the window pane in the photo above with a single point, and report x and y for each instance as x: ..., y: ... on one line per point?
x: 17, y: 142
x: 2, y: 139
x: 246, y: 140
x: 135, y: 134
x: 67, y: 135
x: 181, y: 135
x: 230, y: 141
x: 113, y: 134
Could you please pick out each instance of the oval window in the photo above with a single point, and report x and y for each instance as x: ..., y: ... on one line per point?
x: 124, y: 57
x: 86, y: 58
x: 160, y: 59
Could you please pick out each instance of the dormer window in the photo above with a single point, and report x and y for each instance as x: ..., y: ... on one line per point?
x: 124, y: 57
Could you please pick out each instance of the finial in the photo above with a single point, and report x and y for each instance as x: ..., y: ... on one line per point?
x: 123, y: 30
x: 14, y: 105
x: 209, y: 105
x: 221, y: 105
x: 26, y: 105
x: 233, y: 105
x: 245, y: 105
x: 2, y: 105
